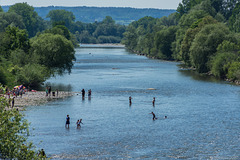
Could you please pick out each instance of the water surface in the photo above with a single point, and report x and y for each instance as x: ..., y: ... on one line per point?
x: 203, y: 113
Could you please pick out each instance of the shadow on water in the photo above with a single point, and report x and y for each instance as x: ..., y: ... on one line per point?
x: 200, y: 77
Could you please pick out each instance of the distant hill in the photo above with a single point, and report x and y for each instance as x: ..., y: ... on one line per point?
x: 91, y: 14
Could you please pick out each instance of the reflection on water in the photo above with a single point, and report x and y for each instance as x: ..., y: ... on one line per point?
x: 200, y: 77
x: 202, y: 116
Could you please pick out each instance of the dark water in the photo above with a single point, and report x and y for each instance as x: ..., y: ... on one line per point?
x: 203, y: 113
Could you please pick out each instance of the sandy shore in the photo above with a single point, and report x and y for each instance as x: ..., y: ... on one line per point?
x: 38, y: 98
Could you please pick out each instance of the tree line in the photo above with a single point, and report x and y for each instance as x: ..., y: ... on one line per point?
x: 204, y: 35
x: 122, y: 15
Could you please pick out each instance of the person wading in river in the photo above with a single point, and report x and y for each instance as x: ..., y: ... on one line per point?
x: 67, y: 121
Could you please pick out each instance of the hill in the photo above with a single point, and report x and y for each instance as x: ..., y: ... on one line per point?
x: 121, y: 15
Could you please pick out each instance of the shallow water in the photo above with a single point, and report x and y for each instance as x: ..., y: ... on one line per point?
x: 203, y: 113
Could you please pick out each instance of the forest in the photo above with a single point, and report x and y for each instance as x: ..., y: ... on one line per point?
x: 203, y: 34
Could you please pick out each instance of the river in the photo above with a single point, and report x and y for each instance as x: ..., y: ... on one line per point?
x: 203, y: 114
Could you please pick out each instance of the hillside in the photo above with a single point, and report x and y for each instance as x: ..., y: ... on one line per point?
x: 92, y: 14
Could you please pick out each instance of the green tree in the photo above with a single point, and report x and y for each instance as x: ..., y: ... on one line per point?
x: 11, y: 19
x: 205, y: 45
x: 32, y: 21
x: 234, y: 20
x: 1, y: 10
x: 13, y: 134
x: 190, y: 36
x: 130, y: 38
x: 13, y: 39
x: 54, y: 52
x: 234, y: 71
x: 163, y: 40
x: 60, y: 15
x: 32, y: 75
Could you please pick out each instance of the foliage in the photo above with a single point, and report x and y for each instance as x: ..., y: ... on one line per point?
x: 61, y: 15
x: 196, y: 34
x: 163, y: 40
x: 205, y: 44
x: 32, y: 21
x: 234, y: 71
x: 234, y: 20
x: 53, y: 51
x: 13, y: 134
x: 13, y: 39
x: 12, y: 19
x: 32, y: 75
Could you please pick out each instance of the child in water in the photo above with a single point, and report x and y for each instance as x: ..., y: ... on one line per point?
x: 79, y: 123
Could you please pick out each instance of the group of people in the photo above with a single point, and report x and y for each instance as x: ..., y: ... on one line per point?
x: 78, y: 123
x: 49, y: 91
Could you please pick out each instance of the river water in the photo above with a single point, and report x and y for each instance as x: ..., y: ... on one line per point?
x: 203, y: 114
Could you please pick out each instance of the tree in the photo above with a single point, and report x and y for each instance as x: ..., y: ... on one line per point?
x: 190, y: 36
x: 60, y: 15
x: 54, y: 52
x: 130, y: 38
x: 32, y: 75
x: 13, y: 134
x: 13, y: 39
x: 234, y: 20
x: 1, y: 10
x: 32, y: 21
x: 11, y: 19
x: 205, y: 45
x: 163, y: 40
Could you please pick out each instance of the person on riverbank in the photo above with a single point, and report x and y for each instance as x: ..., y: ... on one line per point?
x: 154, y: 116
x: 46, y: 91
x: 153, y: 102
x: 42, y: 153
x: 67, y: 121
x: 130, y: 100
x: 49, y: 90
x: 13, y: 102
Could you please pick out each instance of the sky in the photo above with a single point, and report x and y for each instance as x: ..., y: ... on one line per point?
x: 159, y: 4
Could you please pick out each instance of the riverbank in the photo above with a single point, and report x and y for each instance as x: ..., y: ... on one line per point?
x: 37, y: 98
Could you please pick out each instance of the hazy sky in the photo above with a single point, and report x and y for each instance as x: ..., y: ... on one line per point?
x: 161, y: 4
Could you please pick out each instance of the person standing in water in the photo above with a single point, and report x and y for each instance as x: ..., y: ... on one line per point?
x: 80, y: 122
x: 67, y: 121
x: 153, y: 102
x: 154, y: 116
x: 89, y: 93
x: 83, y: 93
x: 130, y: 100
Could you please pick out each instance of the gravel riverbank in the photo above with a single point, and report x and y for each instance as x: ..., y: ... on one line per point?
x: 38, y: 98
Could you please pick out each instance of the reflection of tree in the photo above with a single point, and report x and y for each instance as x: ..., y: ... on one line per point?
x: 199, y: 77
